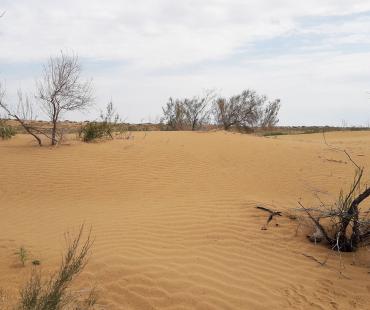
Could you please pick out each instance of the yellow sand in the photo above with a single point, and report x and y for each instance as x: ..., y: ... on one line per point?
x: 175, y: 220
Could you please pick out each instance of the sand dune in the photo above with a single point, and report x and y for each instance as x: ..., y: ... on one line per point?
x: 175, y: 220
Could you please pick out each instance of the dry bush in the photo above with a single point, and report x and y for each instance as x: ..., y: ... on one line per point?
x: 188, y: 114
x: 246, y: 110
x: 343, y: 225
x: 55, y: 293
x: 174, y: 115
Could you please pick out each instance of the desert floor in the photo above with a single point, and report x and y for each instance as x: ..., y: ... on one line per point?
x: 174, y: 219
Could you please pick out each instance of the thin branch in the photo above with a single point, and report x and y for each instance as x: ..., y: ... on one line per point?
x: 339, y: 150
x: 317, y: 223
x: 316, y: 260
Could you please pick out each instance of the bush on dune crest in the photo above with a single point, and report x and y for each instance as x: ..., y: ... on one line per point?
x: 244, y: 112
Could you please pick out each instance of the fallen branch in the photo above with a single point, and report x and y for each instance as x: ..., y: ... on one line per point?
x: 315, y: 259
x: 271, y: 216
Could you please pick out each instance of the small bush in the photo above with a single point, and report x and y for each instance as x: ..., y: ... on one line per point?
x: 105, y: 128
x: 55, y: 293
x: 22, y: 254
x: 95, y: 131
x: 6, y: 131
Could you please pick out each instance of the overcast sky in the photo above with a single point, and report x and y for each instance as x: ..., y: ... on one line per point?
x: 314, y: 55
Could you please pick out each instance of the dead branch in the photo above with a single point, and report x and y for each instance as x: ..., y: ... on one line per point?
x: 323, y: 263
x: 339, y: 150
x: 271, y: 216
x: 26, y: 114
x: 317, y: 223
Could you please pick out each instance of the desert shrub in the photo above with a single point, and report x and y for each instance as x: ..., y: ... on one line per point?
x: 174, y: 115
x: 246, y: 110
x: 94, y: 131
x: 105, y: 128
x: 187, y: 114
x: 346, y: 227
x: 22, y: 255
x: 6, y: 131
x: 55, y: 293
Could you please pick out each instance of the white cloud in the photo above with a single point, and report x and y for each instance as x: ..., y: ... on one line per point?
x: 160, y: 48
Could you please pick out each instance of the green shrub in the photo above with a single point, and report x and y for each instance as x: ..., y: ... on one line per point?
x: 95, y: 131
x: 22, y: 255
x: 55, y: 293
x: 105, y: 128
x: 6, y: 131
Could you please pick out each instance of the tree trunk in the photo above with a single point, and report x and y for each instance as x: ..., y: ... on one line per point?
x: 54, y: 141
x: 346, y: 244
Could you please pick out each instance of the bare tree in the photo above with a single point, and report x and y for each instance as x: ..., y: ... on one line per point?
x: 24, y: 114
x: 61, y: 89
x: 245, y: 110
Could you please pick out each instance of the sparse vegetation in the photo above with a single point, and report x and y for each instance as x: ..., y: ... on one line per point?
x: 55, y: 293
x: 187, y: 114
x: 94, y: 131
x: 36, y: 262
x: 60, y: 90
x: 6, y: 131
x: 22, y: 255
x: 346, y: 228
x: 105, y: 128
x: 246, y: 110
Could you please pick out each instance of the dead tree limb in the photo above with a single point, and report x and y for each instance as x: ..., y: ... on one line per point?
x: 271, y: 216
x: 315, y: 259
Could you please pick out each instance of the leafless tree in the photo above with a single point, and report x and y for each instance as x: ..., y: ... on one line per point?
x: 245, y: 110
x: 24, y: 114
x: 61, y: 89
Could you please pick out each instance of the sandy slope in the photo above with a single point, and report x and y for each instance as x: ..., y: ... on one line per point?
x: 175, y: 220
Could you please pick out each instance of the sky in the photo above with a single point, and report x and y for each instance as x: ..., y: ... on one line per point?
x: 313, y: 55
